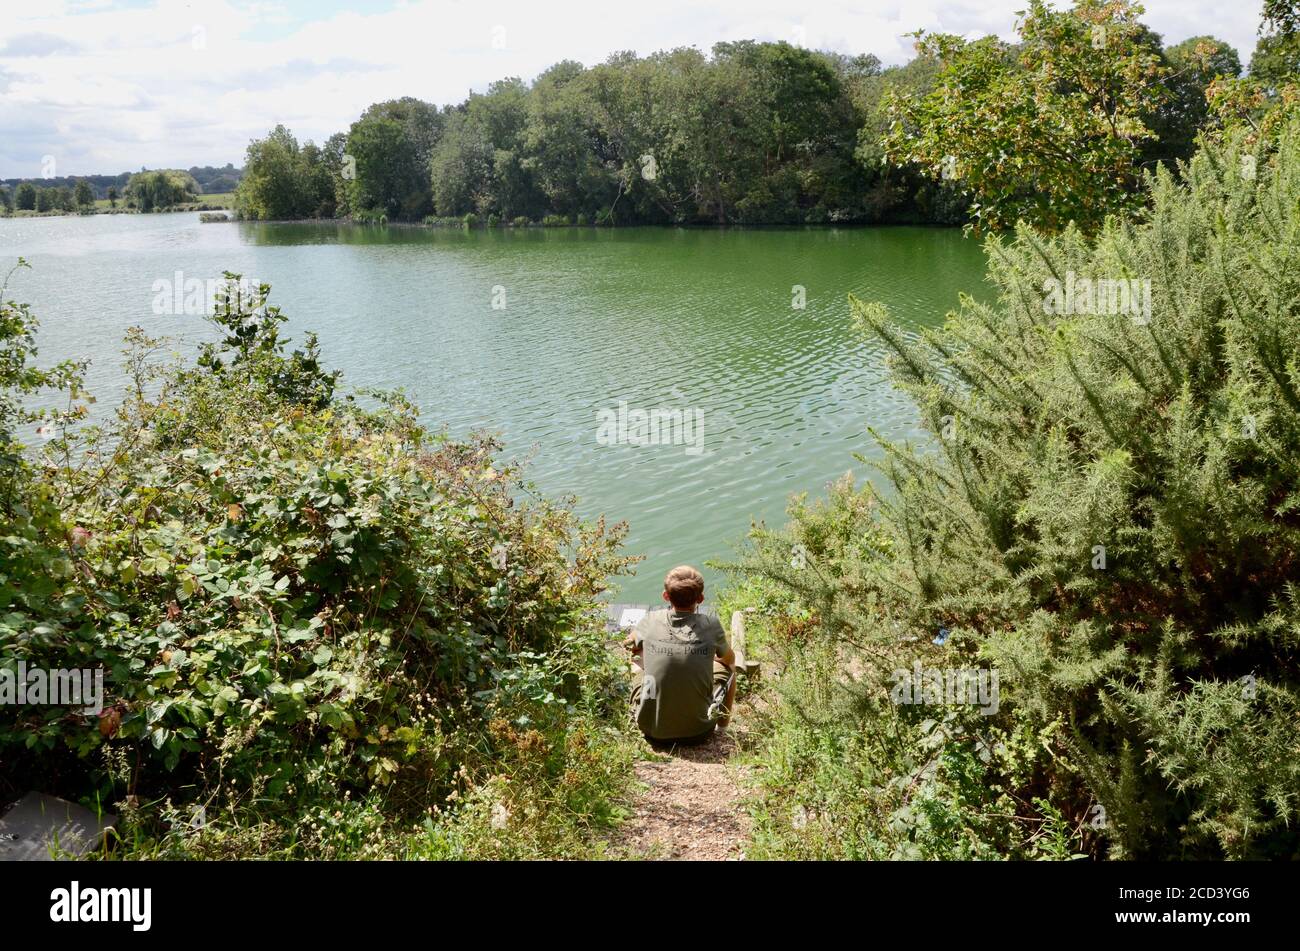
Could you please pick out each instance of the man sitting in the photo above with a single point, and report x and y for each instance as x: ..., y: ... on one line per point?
x: 685, y: 661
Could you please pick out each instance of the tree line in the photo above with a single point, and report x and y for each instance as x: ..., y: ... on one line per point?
x: 144, y: 190
x: 28, y: 196
x: 769, y: 133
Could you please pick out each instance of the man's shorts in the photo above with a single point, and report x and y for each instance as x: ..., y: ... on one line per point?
x: 721, y: 675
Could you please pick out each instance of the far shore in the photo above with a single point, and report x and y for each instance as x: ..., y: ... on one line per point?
x: 222, y: 201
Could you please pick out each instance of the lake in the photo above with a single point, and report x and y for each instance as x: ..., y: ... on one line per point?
x: 663, y: 376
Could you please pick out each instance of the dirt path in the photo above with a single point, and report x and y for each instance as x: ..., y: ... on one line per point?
x: 690, y: 808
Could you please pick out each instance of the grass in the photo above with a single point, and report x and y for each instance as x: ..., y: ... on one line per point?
x: 215, y: 200
x: 570, y: 814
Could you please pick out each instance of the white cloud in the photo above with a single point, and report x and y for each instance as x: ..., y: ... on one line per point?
x: 106, y: 89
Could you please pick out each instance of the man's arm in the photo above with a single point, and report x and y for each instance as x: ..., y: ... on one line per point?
x: 722, y: 648
x: 634, y: 644
x: 728, y: 658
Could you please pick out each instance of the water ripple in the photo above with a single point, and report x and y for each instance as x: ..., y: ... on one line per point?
x: 659, y: 319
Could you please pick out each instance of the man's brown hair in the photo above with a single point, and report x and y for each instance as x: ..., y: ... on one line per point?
x: 684, y: 587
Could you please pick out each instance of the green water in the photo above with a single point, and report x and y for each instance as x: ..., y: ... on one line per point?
x: 695, y: 321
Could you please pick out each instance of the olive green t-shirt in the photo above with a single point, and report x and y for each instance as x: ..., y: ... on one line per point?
x: 677, y: 652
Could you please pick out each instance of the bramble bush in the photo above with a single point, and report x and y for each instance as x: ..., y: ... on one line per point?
x: 1109, y: 517
x: 322, y: 623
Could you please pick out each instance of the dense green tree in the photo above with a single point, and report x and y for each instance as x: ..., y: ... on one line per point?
x: 160, y: 190
x: 461, y: 166
x: 339, y: 165
x: 318, y: 181
x: 25, y: 197
x: 385, y: 160
x: 1267, y: 98
x: 284, y: 180
x: 1048, y: 131
x: 563, y: 140
x: 392, y: 145
x: 854, y: 71
x: 481, y: 165
x: 214, y: 180
x: 807, y: 132
x: 502, y: 116
x: 6, y: 199
x: 705, y: 140
x: 1194, y: 65
x: 47, y: 199
x: 84, y: 197
x: 421, y: 123
x: 894, y: 192
x: 1277, y: 54
x: 112, y: 196
x: 630, y: 117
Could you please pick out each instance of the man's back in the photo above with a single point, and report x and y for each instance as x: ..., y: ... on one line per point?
x: 677, y: 653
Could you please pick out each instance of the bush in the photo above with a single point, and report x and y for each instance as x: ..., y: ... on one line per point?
x: 160, y: 190
x: 302, y: 599
x: 1109, y: 518
x: 521, y: 222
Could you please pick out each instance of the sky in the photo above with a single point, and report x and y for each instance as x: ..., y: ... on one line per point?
x: 101, y: 87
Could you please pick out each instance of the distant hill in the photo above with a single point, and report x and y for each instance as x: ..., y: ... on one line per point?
x: 212, y: 180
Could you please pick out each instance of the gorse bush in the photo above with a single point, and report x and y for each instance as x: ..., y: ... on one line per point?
x: 844, y: 771
x: 294, y: 596
x: 1109, y: 518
